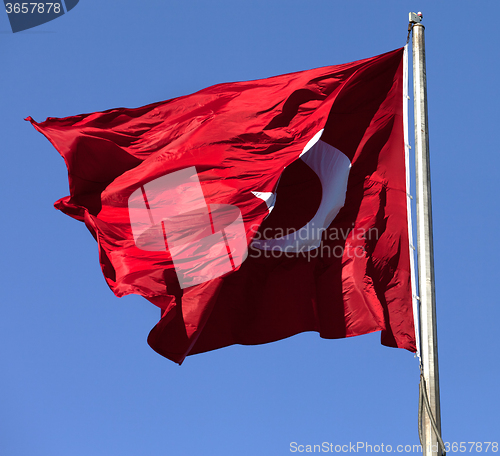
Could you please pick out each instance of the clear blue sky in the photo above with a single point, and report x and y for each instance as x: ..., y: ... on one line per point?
x: 78, y: 377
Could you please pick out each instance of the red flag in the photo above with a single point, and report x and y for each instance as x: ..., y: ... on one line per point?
x: 253, y: 211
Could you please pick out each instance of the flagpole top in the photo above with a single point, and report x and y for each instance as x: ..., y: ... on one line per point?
x: 416, y: 18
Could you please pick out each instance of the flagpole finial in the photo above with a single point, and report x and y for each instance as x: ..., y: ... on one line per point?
x: 416, y: 18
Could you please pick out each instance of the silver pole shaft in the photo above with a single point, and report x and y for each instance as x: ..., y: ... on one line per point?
x: 424, y: 242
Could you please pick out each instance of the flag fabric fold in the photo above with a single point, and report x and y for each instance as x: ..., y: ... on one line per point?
x: 308, y: 170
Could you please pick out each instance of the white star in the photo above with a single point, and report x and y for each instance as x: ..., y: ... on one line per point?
x: 268, y: 197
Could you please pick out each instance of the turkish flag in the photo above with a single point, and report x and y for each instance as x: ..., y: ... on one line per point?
x: 253, y: 211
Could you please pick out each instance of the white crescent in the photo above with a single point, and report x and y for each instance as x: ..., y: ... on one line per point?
x: 332, y: 168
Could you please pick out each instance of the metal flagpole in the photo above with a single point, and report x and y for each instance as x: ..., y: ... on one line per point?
x: 430, y: 414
